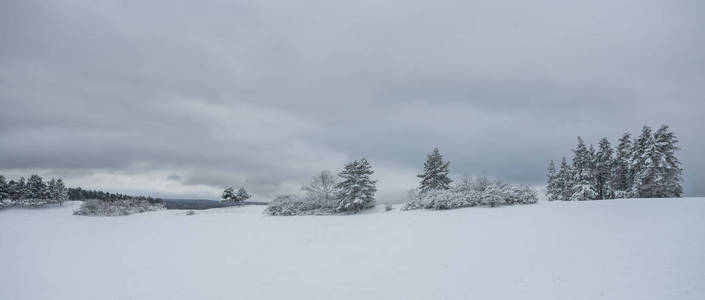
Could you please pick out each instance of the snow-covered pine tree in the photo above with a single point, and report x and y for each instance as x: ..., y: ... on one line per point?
x: 356, y: 190
x: 435, y: 173
x: 621, y: 183
x: 36, y: 187
x: 669, y: 179
x: 51, y: 190
x: 60, y: 191
x: 228, y: 195
x: 644, y: 165
x: 564, y: 181
x: 4, y: 188
x: 23, y: 189
x: 603, y: 166
x: 13, y: 189
x: 552, y: 188
x: 241, y: 195
x: 583, y: 179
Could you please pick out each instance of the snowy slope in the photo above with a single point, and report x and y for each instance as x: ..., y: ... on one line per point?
x: 621, y: 249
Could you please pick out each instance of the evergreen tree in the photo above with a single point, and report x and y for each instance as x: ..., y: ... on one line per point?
x: 60, y: 191
x: 669, y: 179
x: 22, y: 190
x: 603, y: 165
x: 356, y: 190
x: 13, y: 190
x: 4, y: 189
x: 241, y: 195
x: 564, y: 181
x: 552, y: 189
x: 51, y: 188
x: 36, y: 187
x: 644, y: 165
x: 435, y: 175
x: 621, y: 183
x: 592, y: 156
x: 228, y: 195
x: 583, y: 179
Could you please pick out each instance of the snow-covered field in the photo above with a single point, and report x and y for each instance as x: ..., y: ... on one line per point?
x: 621, y: 249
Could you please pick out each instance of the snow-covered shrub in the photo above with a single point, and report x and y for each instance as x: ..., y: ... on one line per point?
x: 33, y: 203
x: 494, y: 195
x: 121, y: 207
x: 414, y: 200
x: 292, y: 205
x: 445, y: 199
x: 442, y: 199
x: 190, y: 213
x: 471, y: 192
x: 523, y: 194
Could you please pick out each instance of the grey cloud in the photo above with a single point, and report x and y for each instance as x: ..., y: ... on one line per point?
x: 264, y: 94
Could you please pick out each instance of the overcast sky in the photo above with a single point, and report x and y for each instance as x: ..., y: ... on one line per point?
x: 182, y: 99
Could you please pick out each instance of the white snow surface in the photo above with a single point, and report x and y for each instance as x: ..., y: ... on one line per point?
x: 617, y: 249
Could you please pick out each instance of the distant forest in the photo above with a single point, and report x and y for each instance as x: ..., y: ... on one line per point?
x: 34, y: 191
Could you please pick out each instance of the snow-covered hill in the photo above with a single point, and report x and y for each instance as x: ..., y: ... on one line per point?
x: 621, y: 249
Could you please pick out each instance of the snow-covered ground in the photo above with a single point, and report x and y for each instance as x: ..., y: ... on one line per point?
x: 621, y: 249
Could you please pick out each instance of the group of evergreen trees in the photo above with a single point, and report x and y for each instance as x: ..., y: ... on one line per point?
x: 229, y: 195
x: 645, y: 167
x: 33, y: 191
x: 80, y: 194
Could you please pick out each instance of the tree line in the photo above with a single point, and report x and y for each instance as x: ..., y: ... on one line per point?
x: 79, y: 194
x: 34, y: 191
x: 644, y: 167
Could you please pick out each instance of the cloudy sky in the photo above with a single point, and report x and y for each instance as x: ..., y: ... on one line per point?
x: 182, y: 99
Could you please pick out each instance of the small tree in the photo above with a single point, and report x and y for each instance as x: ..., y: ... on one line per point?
x: 241, y: 195
x: 60, y: 191
x: 435, y: 175
x: 321, y: 188
x: 228, y: 195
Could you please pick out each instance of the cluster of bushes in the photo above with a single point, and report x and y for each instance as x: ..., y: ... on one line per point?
x: 293, y: 205
x: 471, y: 192
x: 326, y: 195
x: 118, y: 207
